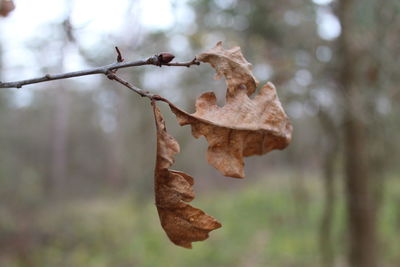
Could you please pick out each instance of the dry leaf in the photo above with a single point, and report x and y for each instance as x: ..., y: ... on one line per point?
x: 231, y: 64
x: 243, y: 126
x: 6, y: 6
x: 183, y: 223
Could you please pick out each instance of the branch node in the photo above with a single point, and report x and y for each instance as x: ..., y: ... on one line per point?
x: 195, y: 62
x: 110, y: 74
x: 157, y: 98
x: 152, y: 60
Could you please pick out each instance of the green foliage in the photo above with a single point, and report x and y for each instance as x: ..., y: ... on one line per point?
x: 265, y: 225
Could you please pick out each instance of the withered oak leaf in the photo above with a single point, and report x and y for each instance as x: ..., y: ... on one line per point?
x: 244, y: 126
x: 182, y: 222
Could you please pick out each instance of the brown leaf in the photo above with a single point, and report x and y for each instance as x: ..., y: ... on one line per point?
x: 183, y: 223
x: 6, y: 6
x: 231, y: 64
x: 243, y: 126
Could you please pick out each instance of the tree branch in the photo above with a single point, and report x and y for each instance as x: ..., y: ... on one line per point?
x: 108, y: 70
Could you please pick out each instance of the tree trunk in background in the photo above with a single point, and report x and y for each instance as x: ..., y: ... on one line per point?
x: 327, y: 253
x: 59, y: 142
x: 115, y: 174
x: 360, y: 201
x: 329, y: 160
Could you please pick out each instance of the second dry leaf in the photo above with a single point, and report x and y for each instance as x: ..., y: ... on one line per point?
x: 182, y: 222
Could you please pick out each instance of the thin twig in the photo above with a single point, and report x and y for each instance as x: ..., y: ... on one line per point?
x: 112, y: 76
x: 119, y: 55
x: 183, y: 64
x: 154, y: 60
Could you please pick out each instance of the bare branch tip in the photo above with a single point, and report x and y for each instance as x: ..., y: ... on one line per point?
x: 119, y: 55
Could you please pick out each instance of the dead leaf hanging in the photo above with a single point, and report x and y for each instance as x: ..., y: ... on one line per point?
x: 183, y: 223
x: 243, y: 126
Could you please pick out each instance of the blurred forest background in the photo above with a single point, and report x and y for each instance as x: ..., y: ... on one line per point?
x: 77, y: 156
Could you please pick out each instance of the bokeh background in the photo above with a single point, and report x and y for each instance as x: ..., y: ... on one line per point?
x: 77, y: 155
